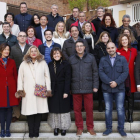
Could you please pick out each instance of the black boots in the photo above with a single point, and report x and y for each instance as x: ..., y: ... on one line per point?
x: 63, y: 132
x: 130, y: 108
x: 56, y: 131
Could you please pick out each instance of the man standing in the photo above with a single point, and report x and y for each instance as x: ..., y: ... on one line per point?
x: 69, y: 44
x: 113, y: 71
x: 96, y: 22
x: 53, y: 17
x: 73, y: 18
x: 43, y: 26
x: 126, y: 21
x: 47, y: 46
x: 17, y: 53
x: 6, y: 36
x: 23, y: 19
x: 85, y: 81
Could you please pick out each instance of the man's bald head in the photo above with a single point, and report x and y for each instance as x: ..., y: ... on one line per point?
x: 111, y: 49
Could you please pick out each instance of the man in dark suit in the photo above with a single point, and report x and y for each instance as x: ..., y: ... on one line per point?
x: 43, y: 26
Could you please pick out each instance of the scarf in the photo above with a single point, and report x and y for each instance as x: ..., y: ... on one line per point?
x: 3, y: 61
x: 90, y: 36
x: 31, y: 40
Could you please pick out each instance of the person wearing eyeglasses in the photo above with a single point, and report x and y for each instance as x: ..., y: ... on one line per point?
x: 6, y: 36
x: 17, y: 53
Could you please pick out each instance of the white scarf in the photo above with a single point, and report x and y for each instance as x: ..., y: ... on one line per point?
x: 91, y: 39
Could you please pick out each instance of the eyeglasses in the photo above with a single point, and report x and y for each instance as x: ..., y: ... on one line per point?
x: 48, y: 34
x: 80, y: 46
x: 22, y: 36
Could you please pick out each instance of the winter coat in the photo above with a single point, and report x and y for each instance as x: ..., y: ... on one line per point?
x: 126, y: 54
x: 137, y: 69
x: 52, y: 21
x: 118, y: 73
x: 23, y: 20
x: 11, y: 40
x: 111, y: 30
x: 60, y: 84
x: 96, y: 22
x: 60, y: 40
x: 8, y: 75
x: 69, y: 47
x: 37, y: 42
x: 32, y: 104
x: 131, y: 28
x: 99, y: 51
x: 69, y: 22
x: 17, y: 54
x: 84, y: 74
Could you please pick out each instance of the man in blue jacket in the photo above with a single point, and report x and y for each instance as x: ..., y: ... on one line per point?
x: 113, y: 71
x: 53, y: 17
x: 47, y: 46
x: 23, y: 19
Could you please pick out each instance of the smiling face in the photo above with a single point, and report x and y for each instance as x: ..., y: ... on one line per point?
x: 23, y: 8
x: 22, y: 37
x: 33, y: 53
x: 126, y: 32
x: 30, y: 33
x: 100, y: 13
x: 74, y: 32
x: 88, y: 27
x: 36, y: 19
x: 107, y: 20
x: 9, y: 18
x: 82, y: 17
x: 60, y: 28
x: 126, y: 22
x: 111, y: 49
x: 56, y: 55
x: 105, y: 38
x: 43, y: 21
x: 6, y: 28
x: 6, y: 52
x: 124, y: 41
x: 48, y: 35
x: 80, y: 48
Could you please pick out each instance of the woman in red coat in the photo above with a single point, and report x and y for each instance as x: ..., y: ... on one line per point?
x: 31, y: 37
x: 8, y: 87
x: 130, y: 54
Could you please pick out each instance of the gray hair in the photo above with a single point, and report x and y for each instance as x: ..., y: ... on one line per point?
x: 125, y: 16
x: 100, y: 7
x: 54, y: 5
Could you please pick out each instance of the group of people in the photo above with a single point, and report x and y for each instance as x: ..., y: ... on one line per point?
x: 68, y: 62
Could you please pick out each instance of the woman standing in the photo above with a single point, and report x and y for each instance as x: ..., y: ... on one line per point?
x: 8, y: 86
x: 60, y: 34
x: 35, y: 20
x: 31, y: 37
x: 59, y: 103
x: 99, y: 52
x: 33, y: 70
x: 89, y: 35
x: 130, y: 54
x: 108, y: 24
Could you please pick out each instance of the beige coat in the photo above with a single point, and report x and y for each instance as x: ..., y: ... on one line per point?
x: 32, y: 104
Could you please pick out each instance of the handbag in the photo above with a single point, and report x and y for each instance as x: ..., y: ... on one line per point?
x: 128, y: 82
x: 40, y: 90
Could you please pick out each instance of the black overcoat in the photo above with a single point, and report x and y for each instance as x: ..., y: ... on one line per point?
x: 60, y: 84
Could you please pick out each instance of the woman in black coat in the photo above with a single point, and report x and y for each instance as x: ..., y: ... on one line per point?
x: 59, y: 103
x: 108, y: 24
x: 99, y: 52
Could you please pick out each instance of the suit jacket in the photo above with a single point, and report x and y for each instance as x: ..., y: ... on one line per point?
x: 39, y: 33
x: 137, y: 69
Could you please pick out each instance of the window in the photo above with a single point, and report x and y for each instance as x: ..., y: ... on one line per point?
x: 136, y: 12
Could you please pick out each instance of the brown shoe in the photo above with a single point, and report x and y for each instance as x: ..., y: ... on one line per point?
x: 91, y: 132
x: 14, y: 119
x: 79, y: 132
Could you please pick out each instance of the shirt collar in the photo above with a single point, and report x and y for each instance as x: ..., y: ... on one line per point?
x: 21, y: 46
x: 42, y: 28
x: 112, y: 57
x: 45, y: 44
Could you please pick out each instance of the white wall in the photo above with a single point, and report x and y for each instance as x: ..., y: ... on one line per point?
x: 3, y: 10
x: 120, y: 7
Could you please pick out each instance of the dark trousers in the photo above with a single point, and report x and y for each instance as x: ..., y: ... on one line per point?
x: 34, y: 124
x: 5, y: 117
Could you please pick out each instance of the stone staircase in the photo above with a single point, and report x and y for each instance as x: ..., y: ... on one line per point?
x: 19, y: 129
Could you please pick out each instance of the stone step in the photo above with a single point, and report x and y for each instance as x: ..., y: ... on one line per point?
x: 98, y: 116
x: 72, y: 136
x: 99, y: 126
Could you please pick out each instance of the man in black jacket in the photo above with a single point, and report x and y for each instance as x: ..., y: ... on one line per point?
x: 23, y: 19
x: 113, y: 71
x: 85, y: 81
x: 73, y: 18
x: 96, y: 22
x: 53, y: 17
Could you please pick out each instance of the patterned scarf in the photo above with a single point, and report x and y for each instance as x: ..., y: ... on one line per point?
x: 3, y: 61
x: 31, y: 40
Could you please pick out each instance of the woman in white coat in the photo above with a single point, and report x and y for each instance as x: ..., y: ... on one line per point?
x: 33, y: 70
x: 60, y: 34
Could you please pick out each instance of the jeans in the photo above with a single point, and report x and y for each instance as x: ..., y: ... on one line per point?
x: 119, y: 100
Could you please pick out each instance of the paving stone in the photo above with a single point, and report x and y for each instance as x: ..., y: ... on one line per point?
x: 14, y: 136
x: 135, y: 127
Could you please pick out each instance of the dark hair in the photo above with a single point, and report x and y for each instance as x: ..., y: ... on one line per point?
x: 113, y: 24
x: 9, y: 14
x: 120, y: 41
x: 2, y: 47
x: 48, y: 30
x: 56, y: 49
x: 31, y: 27
x: 4, y: 23
x: 74, y: 26
x: 32, y: 19
x: 76, y: 8
x: 80, y: 41
x: 44, y: 16
x: 23, y: 3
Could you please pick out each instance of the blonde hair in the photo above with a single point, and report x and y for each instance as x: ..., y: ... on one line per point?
x: 101, y: 35
x: 83, y: 27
